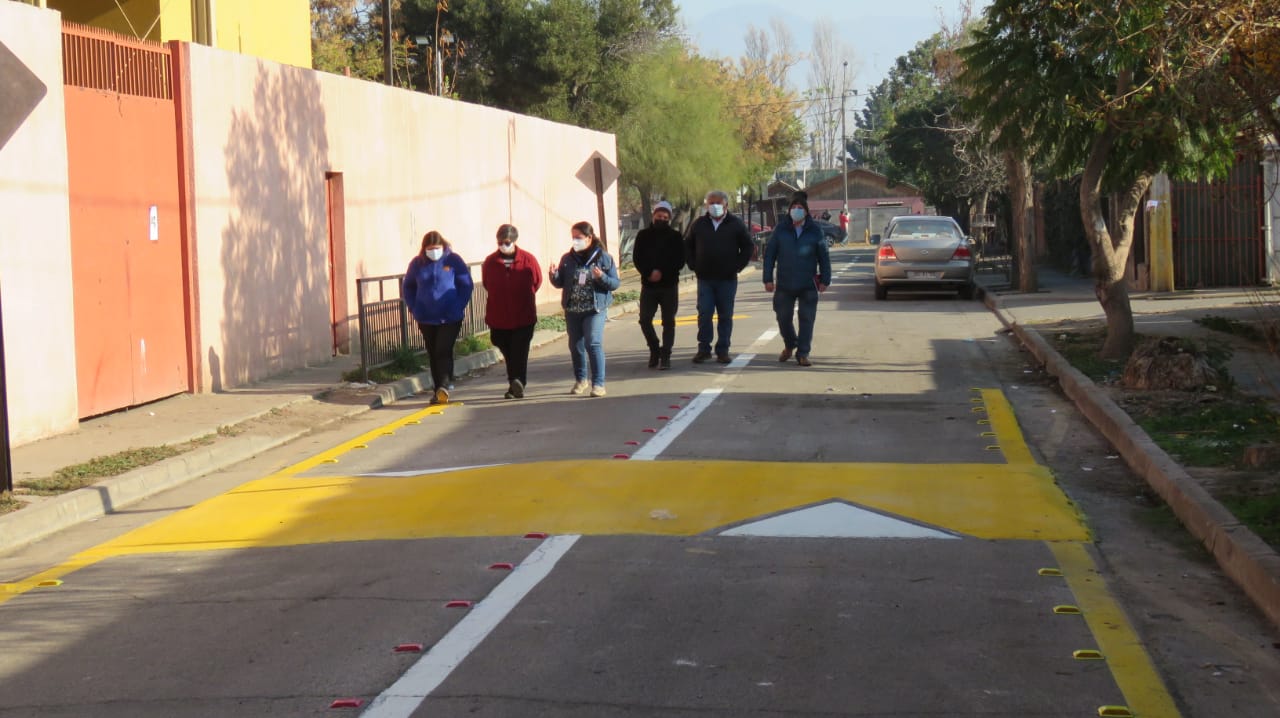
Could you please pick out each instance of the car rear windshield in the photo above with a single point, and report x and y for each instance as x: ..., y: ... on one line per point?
x: 924, y: 229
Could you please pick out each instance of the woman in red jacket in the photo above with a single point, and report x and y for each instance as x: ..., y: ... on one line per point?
x: 511, y: 277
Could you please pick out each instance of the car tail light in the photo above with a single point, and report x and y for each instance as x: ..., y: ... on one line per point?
x: 886, y: 252
x: 962, y: 252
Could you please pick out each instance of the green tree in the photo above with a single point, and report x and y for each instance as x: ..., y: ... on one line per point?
x: 680, y: 138
x: 1079, y: 84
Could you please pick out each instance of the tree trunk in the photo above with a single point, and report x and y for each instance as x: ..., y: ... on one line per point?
x: 1018, y: 170
x: 1111, y: 251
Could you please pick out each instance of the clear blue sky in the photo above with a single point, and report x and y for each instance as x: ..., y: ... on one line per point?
x: 878, y: 31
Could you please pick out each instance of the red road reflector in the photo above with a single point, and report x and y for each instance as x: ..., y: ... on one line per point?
x: 408, y: 648
x: 675, y: 406
x: 347, y: 703
x: 458, y: 604
x: 502, y: 566
x: 650, y: 431
x: 622, y: 456
x: 664, y: 418
x: 686, y: 397
x: 633, y: 443
x: 536, y: 535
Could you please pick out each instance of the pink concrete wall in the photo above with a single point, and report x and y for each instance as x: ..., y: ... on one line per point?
x: 264, y: 135
x: 35, y: 241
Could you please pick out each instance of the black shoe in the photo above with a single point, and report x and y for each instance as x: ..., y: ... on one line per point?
x: 516, y: 389
x: 723, y: 358
x: 664, y: 363
x: 653, y: 358
x: 701, y: 357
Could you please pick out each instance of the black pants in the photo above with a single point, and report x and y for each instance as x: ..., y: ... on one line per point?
x: 440, y: 339
x: 650, y: 299
x: 514, y: 345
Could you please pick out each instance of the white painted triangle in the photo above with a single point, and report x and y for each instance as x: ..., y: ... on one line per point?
x: 835, y: 520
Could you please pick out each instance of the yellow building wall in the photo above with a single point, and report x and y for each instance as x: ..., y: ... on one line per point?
x: 278, y: 30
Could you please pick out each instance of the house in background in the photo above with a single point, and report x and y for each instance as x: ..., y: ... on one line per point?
x: 278, y: 30
x: 873, y: 200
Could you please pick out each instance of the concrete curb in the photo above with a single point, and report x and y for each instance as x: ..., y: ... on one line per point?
x: 1246, y: 559
x: 41, y: 519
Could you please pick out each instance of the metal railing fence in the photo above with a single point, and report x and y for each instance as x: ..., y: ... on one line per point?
x: 386, y: 326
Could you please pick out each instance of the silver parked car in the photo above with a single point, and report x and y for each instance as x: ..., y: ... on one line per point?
x: 924, y: 253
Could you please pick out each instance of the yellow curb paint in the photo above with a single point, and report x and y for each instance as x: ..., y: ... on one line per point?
x: 1005, y: 425
x: 45, y: 579
x: 360, y: 442
x: 1130, y: 665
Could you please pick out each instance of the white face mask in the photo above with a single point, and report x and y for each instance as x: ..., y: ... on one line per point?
x: 580, y: 244
x: 435, y: 253
x: 797, y: 214
x: 507, y: 249
x: 716, y: 210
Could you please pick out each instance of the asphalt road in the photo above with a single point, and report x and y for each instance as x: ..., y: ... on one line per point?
x: 880, y: 534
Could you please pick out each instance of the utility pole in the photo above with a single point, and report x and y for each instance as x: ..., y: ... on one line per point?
x: 388, y: 75
x: 844, y: 137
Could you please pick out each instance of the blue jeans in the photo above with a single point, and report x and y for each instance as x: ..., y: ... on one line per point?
x: 586, y: 344
x: 716, y: 296
x: 784, y: 304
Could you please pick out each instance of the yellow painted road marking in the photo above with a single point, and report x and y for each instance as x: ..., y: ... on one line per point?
x: 693, y: 319
x: 1128, y: 660
x: 606, y: 497
x: 1005, y: 425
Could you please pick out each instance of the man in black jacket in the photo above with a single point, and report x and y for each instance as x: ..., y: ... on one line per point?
x: 659, y: 257
x: 717, y: 247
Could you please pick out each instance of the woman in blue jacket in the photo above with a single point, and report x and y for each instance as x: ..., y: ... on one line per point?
x: 587, y: 278
x: 437, y: 289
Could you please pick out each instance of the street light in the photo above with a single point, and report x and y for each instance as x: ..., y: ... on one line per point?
x: 844, y: 137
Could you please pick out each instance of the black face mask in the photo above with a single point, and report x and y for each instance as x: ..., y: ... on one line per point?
x: 660, y: 223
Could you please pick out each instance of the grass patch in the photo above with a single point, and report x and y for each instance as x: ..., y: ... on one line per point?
x: 1213, y: 432
x: 627, y: 296
x: 406, y: 361
x: 1231, y: 326
x: 1260, y: 513
x: 76, y: 476
x: 8, y: 503
x: 472, y: 345
x: 552, y: 323
x: 1081, y: 349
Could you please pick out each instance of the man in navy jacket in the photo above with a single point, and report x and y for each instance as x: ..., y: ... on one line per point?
x: 799, y: 253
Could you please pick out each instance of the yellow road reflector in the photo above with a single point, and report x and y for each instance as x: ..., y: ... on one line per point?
x: 1087, y: 654
x: 992, y: 447
x: 49, y: 583
x: 984, y: 422
x: 1049, y: 572
x: 978, y: 409
x: 360, y: 446
x: 1067, y: 610
x: 1115, y: 712
x: 976, y: 400
x: 987, y: 433
x: 412, y: 421
x: 328, y: 461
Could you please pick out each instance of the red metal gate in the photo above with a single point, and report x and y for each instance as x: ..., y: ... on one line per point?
x: 126, y: 243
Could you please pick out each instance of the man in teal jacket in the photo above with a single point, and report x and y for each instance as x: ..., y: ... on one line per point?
x: 798, y: 251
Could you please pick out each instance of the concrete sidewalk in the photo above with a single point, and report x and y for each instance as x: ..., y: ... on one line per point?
x: 1246, y: 559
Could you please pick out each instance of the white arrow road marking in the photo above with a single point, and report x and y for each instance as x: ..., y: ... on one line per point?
x: 835, y: 519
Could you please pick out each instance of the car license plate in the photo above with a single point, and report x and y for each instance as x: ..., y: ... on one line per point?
x: 924, y: 275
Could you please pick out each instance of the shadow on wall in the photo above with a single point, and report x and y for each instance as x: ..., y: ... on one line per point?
x: 275, y: 249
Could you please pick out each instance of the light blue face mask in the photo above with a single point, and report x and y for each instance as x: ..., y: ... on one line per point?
x: 798, y: 214
x: 716, y: 210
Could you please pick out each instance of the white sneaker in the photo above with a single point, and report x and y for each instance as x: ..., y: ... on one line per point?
x: 579, y: 387
x: 597, y: 390
x: 441, y: 396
